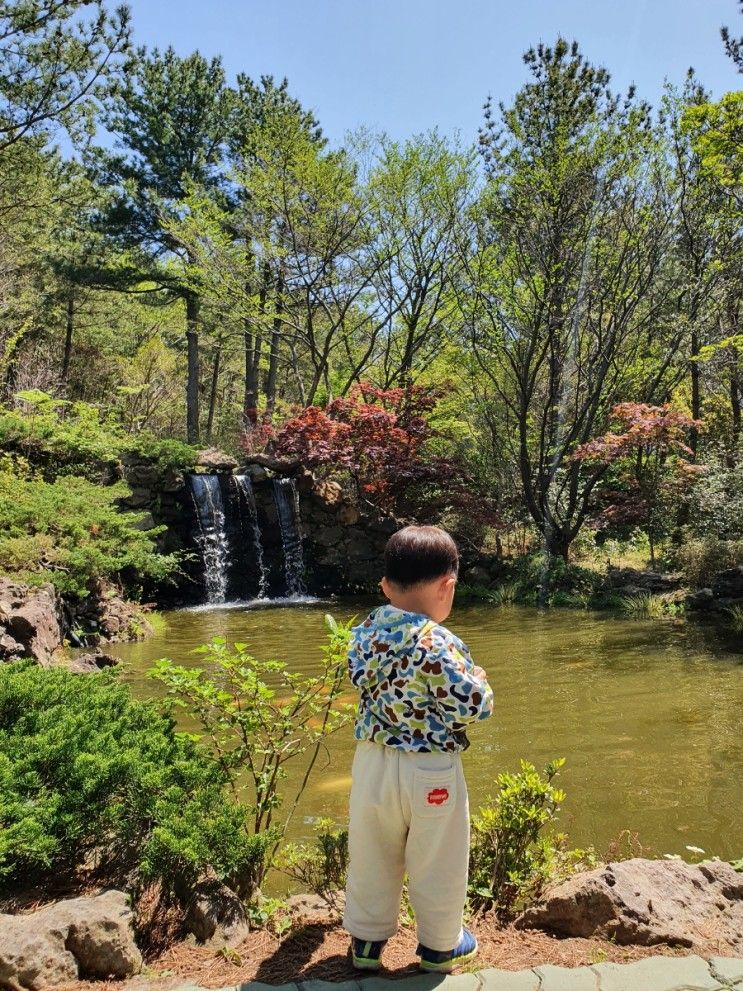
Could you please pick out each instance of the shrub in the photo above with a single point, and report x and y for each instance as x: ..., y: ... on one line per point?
x: 257, y: 716
x: 71, y: 531
x: 735, y: 614
x: 381, y: 441
x: 321, y: 867
x: 88, y: 775
x: 57, y: 437
x: 645, y: 605
x: 702, y: 558
x: 510, y: 860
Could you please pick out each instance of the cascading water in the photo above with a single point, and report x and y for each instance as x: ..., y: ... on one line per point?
x: 247, y: 499
x: 287, y: 507
x: 212, y: 537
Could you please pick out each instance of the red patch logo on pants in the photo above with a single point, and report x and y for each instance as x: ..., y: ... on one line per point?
x: 437, y: 796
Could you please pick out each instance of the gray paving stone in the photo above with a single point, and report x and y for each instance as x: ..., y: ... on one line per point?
x: 323, y: 986
x: 259, y: 986
x: 566, y: 978
x: 419, y: 982
x: 728, y: 968
x: 657, y: 974
x: 494, y: 979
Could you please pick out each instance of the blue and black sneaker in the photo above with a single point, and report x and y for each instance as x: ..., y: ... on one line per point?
x: 444, y: 961
x: 367, y: 955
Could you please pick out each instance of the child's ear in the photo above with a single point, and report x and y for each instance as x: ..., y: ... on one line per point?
x: 384, y: 585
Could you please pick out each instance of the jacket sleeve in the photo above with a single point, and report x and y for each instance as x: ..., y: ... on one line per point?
x: 459, y: 688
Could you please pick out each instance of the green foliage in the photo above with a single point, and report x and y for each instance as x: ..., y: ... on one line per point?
x: 321, y: 867
x: 257, y: 716
x: 736, y: 619
x: 52, y: 58
x: 87, y: 775
x: 645, y: 605
x: 71, y: 531
x: 510, y: 859
x: 61, y: 438
x: 700, y: 558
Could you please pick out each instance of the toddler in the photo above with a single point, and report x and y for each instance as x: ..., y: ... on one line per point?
x: 419, y: 688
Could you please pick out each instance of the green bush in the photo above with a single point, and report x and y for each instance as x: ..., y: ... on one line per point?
x: 701, y: 558
x: 71, y: 531
x: 87, y: 775
x: 510, y: 859
x: 322, y: 866
x: 61, y: 438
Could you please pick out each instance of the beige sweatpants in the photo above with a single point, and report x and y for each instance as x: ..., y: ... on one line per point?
x: 409, y: 812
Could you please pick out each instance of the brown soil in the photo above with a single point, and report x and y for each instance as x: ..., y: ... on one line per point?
x: 319, y: 949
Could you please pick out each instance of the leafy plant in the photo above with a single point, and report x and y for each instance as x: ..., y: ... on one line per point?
x: 736, y: 619
x: 510, y: 859
x: 702, y: 558
x: 72, y: 531
x: 89, y: 776
x: 257, y: 716
x: 321, y: 867
x: 648, y: 606
x: 380, y: 441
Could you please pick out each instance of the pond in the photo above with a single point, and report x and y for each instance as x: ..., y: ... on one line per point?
x: 649, y: 714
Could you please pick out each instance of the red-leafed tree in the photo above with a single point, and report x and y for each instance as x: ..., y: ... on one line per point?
x: 379, y: 441
x: 648, y: 470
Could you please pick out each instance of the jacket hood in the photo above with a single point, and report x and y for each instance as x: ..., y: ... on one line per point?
x: 377, y: 643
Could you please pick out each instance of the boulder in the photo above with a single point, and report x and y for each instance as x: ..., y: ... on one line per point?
x: 348, y: 515
x: 215, y: 912
x: 702, y: 599
x: 728, y: 584
x: 327, y: 493
x: 647, y: 902
x: 632, y: 581
x: 31, y: 618
x: 89, y: 937
x: 215, y: 460
x: 477, y: 575
x: 92, y: 663
x: 256, y: 473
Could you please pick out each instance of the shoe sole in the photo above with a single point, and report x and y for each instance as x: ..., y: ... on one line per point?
x: 363, y: 963
x: 449, y: 966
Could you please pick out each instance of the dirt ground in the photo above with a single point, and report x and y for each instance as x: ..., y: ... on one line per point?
x: 316, y: 948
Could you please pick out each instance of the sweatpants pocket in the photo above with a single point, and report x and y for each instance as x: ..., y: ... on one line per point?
x: 434, y: 792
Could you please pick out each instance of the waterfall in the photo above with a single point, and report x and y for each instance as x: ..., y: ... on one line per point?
x: 247, y: 497
x: 212, y: 538
x: 287, y: 507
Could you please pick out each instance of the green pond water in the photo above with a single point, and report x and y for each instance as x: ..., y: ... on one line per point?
x: 649, y: 714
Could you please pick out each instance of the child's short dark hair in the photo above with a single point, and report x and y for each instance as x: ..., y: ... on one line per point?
x: 419, y: 554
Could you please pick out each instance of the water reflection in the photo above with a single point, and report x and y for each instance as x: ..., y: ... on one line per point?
x: 647, y: 713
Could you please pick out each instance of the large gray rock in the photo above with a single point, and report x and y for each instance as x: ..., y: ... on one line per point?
x: 215, y: 460
x: 632, y: 581
x: 728, y: 584
x: 646, y: 902
x: 88, y: 937
x: 29, y: 618
x: 215, y: 912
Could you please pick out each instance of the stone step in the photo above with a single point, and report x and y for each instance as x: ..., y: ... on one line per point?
x: 650, y: 974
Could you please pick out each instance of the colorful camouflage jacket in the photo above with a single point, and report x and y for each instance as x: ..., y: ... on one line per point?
x: 419, y: 686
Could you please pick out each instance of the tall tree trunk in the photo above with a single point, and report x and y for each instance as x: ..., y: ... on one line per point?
x: 253, y: 349
x: 213, y: 392
x: 192, y: 382
x: 69, y: 332
x: 273, y: 362
x: 696, y: 399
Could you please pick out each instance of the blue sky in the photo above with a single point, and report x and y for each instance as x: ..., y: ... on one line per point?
x: 404, y: 66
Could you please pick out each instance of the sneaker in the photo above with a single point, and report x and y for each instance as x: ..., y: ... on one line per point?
x: 366, y: 954
x: 444, y: 961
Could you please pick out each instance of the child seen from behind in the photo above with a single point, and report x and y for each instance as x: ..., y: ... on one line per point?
x: 419, y: 689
